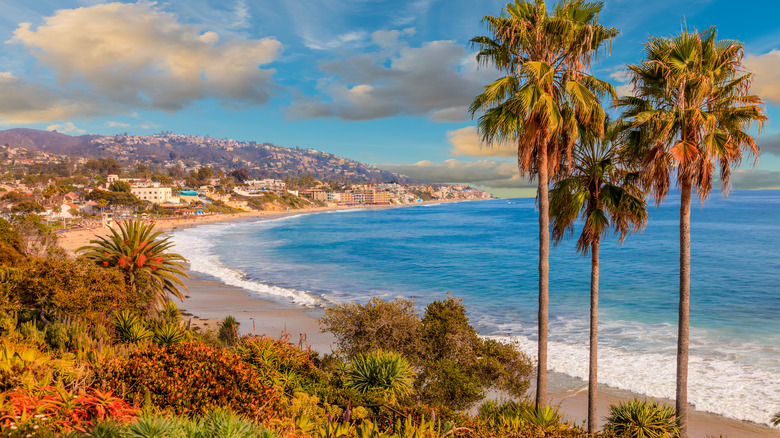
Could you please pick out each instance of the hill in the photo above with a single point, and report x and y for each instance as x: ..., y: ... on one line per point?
x: 168, y: 149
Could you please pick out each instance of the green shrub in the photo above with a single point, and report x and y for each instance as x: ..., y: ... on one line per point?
x: 376, y: 325
x: 192, y: 378
x: 455, y: 365
x: 642, y: 419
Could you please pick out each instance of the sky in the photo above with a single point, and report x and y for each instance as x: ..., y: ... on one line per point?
x: 386, y: 82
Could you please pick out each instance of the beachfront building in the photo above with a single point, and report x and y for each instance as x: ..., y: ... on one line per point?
x: 275, y: 185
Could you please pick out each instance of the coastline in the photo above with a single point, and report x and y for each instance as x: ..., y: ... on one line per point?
x: 209, y: 301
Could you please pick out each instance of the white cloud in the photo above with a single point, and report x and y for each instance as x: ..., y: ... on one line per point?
x: 766, y: 83
x: 117, y: 124
x: 135, y: 55
x: 487, y: 173
x: 438, y: 80
x: 67, y: 128
x: 466, y: 141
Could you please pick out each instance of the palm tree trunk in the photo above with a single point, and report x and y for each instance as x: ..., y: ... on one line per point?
x: 544, y: 268
x: 594, y: 338
x: 685, y: 309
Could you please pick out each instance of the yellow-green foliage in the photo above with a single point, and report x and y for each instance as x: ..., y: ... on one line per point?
x: 280, y: 364
x: 25, y: 366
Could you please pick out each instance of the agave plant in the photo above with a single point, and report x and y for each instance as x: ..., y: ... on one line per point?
x: 142, y: 256
x: 642, y: 419
x: 228, y: 331
x: 386, y: 372
x: 168, y: 334
x: 221, y: 423
x: 130, y: 328
x: 170, y: 313
x: 153, y: 426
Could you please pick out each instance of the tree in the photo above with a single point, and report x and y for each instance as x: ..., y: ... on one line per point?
x: 138, y: 253
x: 690, y: 112
x: 27, y: 207
x: 604, y: 195
x: 204, y: 173
x: 104, y: 166
x: 120, y: 186
x: 114, y: 198
x: 545, y: 95
x: 240, y: 175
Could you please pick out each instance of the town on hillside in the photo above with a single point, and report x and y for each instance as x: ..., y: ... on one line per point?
x: 73, y: 191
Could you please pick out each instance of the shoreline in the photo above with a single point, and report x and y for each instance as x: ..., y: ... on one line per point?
x: 209, y: 301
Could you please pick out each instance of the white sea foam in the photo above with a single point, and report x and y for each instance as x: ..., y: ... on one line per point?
x: 196, y: 245
x: 715, y: 384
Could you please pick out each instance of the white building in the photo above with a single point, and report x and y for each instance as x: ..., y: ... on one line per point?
x: 158, y: 195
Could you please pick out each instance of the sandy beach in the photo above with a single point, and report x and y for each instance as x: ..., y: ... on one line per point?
x: 210, y: 301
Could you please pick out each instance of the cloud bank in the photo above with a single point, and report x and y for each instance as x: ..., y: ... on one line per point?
x: 494, y: 174
x: 437, y: 80
x: 134, y: 55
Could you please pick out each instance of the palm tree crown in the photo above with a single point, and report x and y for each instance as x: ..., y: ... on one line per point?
x: 690, y: 111
x: 136, y: 250
x: 599, y: 190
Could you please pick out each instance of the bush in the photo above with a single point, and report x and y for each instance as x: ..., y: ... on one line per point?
x: 455, y: 365
x: 376, y: 325
x: 72, y: 288
x: 192, y: 378
x: 642, y: 419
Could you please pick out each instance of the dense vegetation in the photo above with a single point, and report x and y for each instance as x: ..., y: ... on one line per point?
x: 84, y: 351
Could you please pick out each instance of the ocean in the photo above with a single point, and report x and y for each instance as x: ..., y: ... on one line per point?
x: 485, y: 252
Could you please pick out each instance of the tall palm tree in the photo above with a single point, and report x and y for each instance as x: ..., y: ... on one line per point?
x: 690, y: 112
x: 605, y: 195
x: 544, y: 95
x: 143, y: 258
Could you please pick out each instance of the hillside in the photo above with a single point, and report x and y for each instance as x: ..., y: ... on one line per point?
x: 168, y: 149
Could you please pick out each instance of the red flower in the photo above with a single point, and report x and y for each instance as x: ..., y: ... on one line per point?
x: 105, y: 263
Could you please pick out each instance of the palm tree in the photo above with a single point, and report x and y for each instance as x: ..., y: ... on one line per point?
x: 136, y: 250
x: 690, y: 112
x: 545, y: 95
x: 606, y: 196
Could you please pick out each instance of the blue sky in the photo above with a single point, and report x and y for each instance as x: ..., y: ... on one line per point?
x: 383, y: 82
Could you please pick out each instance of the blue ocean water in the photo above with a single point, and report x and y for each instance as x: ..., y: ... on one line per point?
x: 485, y: 252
